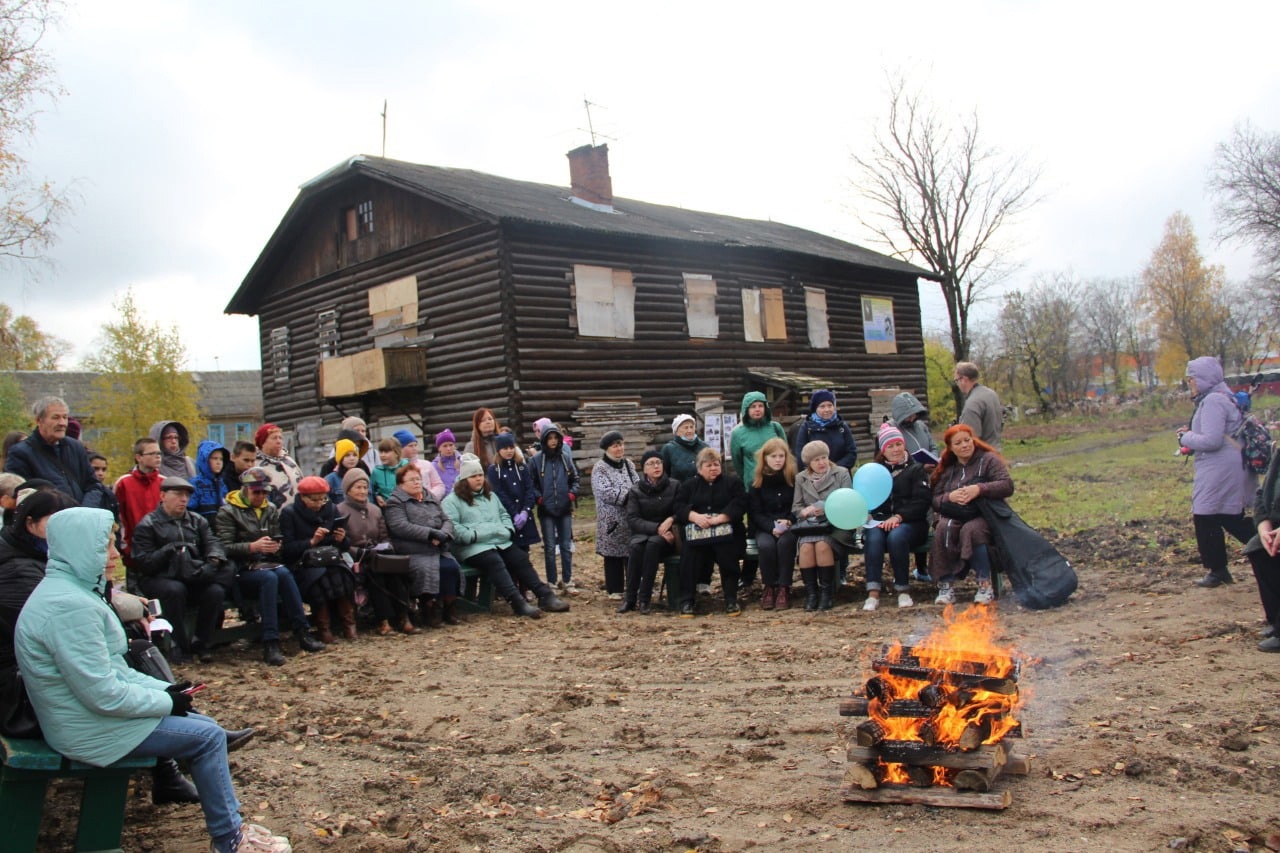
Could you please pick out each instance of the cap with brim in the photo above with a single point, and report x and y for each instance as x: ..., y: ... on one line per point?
x: 169, y: 484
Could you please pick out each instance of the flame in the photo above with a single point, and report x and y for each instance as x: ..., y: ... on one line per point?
x: 971, y: 682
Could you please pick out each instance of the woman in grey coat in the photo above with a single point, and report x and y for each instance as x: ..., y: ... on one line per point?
x: 912, y: 420
x: 611, y: 480
x: 420, y: 528
x: 1222, y: 486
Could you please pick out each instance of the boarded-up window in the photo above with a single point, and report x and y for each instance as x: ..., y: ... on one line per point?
x: 393, y: 307
x: 700, y: 305
x: 605, y: 301
x: 280, y: 354
x: 327, y: 334
x: 752, y: 330
x: 763, y: 317
x: 815, y: 308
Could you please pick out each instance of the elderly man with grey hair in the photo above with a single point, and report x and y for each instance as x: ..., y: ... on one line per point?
x: 48, y: 454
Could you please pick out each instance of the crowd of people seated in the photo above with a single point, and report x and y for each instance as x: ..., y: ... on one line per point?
x: 383, y: 533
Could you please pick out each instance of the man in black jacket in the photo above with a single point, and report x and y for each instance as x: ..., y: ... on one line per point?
x: 169, y: 543
x: 48, y: 454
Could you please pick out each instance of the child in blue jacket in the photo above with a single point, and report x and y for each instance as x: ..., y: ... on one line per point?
x: 513, y: 483
x: 557, y: 482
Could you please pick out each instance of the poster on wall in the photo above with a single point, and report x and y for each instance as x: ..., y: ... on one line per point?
x: 730, y: 422
x: 711, y: 431
x: 877, y: 325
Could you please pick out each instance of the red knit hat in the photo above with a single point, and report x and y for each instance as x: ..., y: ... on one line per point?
x: 312, y: 485
x: 260, y: 437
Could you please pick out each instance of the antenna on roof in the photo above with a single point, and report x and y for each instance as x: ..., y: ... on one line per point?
x: 384, y: 127
x: 591, y: 128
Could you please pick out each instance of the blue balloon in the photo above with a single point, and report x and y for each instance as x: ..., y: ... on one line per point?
x: 874, y: 482
x: 845, y: 509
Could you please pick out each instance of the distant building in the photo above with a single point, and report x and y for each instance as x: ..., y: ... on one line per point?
x: 230, y: 399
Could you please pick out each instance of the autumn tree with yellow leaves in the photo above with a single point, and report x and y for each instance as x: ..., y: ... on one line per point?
x: 143, y: 379
x: 1183, y: 296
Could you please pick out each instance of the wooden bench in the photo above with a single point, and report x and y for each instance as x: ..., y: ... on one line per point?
x: 30, y: 764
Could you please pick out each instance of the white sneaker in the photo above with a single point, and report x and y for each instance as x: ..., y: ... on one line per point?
x: 569, y: 587
x: 615, y: 596
x: 904, y: 600
x: 704, y: 589
x: 946, y: 595
x: 871, y: 603
x: 984, y: 595
x: 258, y: 839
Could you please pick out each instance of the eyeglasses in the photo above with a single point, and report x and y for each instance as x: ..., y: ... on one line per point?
x: 318, y: 499
x: 151, y: 453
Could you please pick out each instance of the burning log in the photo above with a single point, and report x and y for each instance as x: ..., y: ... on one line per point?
x: 869, y: 733
x: 878, y: 688
x: 854, y: 706
x: 915, y: 754
x: 974, y: 735
x: 933, y: 695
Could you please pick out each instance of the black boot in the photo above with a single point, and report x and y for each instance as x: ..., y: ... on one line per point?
x: 308, y: 641
x: 552, y: 603
x: 429, y: 607
x: 271, y: 653
x: 826, y: 586
x: 520, y: 607
x: 168, y: 785
x: 1213, y: 579
x: 810, y: 578
x: 626, y: 606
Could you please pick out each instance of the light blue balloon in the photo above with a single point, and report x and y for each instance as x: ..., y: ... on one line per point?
x: 845, y: 509
x: 874, y: 482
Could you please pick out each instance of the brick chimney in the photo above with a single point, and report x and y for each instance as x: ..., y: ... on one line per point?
x: 589, y: 174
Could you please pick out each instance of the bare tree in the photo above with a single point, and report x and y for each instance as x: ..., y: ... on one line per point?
x: 1245, y: 331
x: 1246, y: 182
x: 29, y: 209
x: 1104, y: 307
x: 1042, y: 334
x: 941, y: 197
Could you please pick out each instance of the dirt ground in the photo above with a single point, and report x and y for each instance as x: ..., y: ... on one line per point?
x: 1152, y: 722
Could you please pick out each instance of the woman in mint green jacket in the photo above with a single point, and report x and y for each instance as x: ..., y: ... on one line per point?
x: 92, y: 707
x: 483, y: 538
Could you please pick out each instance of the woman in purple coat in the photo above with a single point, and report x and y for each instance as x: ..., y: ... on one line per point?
x: 1222, y: 486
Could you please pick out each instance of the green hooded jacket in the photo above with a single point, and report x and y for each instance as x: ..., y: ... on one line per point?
x: 92, y: 707
x: 747, y: 437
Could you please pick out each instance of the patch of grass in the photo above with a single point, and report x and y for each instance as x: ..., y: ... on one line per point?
x: 1113, y: 477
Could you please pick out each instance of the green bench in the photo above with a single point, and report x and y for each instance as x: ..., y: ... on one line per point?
x: 30, y: 764
x: 477, y: 591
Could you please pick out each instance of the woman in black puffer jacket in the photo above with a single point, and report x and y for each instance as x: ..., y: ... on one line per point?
x: 770, y: 518
x: 650, y: 513
x: 710, y: 501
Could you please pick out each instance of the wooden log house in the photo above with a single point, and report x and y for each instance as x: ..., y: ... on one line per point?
x: 407, y: 293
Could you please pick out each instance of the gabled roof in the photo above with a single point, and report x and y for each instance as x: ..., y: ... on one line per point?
x: 496, y: 199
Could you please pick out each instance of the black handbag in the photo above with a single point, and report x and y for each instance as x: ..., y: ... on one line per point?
x: 19, y: 717
x: 960, y: 512
x: 322, y: 557
x: 147, y: 659
x: 382, y: 563
x: 812, y: 527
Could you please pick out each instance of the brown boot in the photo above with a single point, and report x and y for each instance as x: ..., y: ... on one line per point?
x: 407, y: 626
x: 347, y: 617
x: 766, y: 600
x: 783, y: 599
x: 431, y: 612
x: 324, y: 629
x: 384, y: 627
x: 449, y: 612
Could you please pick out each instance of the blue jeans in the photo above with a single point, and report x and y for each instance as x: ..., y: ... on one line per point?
x: 202, y: 742
x: 275, y: 587
x: 557, y: 530
x: 899, y: 541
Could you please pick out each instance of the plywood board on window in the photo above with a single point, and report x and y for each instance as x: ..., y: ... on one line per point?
x: 700, y: 306
x: 624, y: 305
x: 751, y: 327
x: 593, y: 294
x: 775, y: 317
x: 401, y: 295
x: 815, y: 309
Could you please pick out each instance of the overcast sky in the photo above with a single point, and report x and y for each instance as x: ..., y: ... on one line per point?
x: 187, y: 127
